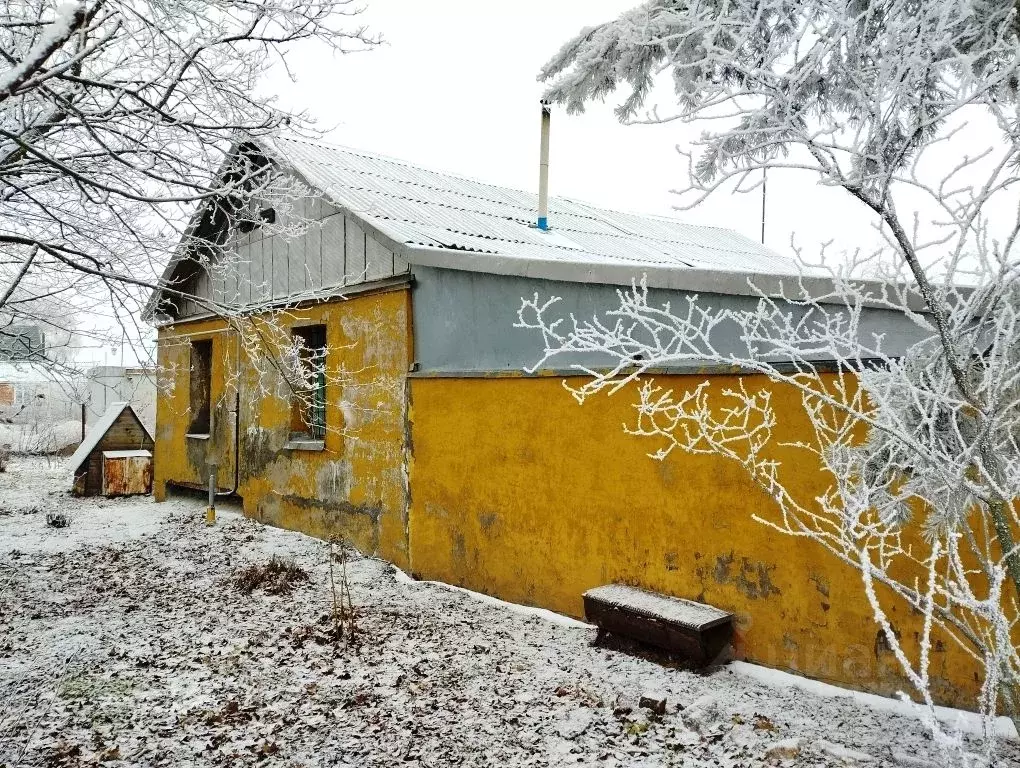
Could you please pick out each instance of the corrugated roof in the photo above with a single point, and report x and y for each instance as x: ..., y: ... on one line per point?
x: 419, y: 207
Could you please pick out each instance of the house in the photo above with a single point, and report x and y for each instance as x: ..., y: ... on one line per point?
x: 117, y: 440
x: 27, y: 387
x: 428, y: 444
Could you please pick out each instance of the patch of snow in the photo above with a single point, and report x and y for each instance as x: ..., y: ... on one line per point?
x: 840, y: 752
x: 954, y: 719
x: 41, y: 486
x: 574, y: 723
x: 41, y: 437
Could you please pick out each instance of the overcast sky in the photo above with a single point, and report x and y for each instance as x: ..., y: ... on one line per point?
x: 454, y: 88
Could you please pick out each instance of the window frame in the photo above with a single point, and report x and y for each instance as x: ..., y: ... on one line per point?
x: 200, y: 351
x: 308, y: 420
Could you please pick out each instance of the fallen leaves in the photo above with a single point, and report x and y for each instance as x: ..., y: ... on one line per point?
x: 173, y: 665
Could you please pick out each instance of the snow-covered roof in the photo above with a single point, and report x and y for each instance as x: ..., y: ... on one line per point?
x: 435, y: 219
x: 99, y: 429
x: 25, y: 373
x: 446, y: 220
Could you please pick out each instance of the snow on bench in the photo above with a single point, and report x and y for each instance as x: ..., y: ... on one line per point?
x: 698, y: 632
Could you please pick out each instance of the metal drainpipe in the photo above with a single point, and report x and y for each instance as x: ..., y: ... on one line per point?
x: 210, y: 512
x: 543, y: 169
x: 237, y: 444
x: 237, y: 424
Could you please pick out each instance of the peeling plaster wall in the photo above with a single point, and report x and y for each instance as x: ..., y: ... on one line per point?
x: 356, y: 486
x: 178, y: 457
x: 520, y: 493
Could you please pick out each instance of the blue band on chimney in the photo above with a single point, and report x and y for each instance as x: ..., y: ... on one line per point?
x: 543, y: 222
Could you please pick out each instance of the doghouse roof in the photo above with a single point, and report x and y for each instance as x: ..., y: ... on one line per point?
x: 95, y: 435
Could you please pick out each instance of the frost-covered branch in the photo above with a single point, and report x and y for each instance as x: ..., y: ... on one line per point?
x: 918, y: 447
x: 116, y: 125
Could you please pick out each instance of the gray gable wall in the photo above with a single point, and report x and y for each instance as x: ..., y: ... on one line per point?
x: 334, y: 252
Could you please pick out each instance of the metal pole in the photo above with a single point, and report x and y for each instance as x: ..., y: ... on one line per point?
x: 764, y: 181
x: 210, y: 511
x: 543, y: 169
x: 83, y: 422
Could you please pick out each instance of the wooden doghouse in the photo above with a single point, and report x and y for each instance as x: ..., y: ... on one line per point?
x: 115, y: 459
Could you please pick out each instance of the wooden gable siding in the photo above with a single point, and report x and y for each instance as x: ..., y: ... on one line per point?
x: 126, y: 433
x: 334, y: 252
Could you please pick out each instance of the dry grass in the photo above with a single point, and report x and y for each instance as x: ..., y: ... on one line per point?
x: 276, y: 577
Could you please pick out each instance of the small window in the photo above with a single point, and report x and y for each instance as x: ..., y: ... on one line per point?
x: 200, y: 386
x: 308, y: 402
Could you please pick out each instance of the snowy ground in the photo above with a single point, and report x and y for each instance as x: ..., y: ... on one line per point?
x: 124, y: 642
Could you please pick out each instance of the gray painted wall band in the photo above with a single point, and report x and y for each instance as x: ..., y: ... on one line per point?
x: 463, y: 321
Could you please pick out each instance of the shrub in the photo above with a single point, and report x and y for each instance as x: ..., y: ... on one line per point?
x: 57, y: 520
x: 345, y: 617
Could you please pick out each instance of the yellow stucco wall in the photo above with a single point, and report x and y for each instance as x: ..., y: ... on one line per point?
x: 176, y: 457
x: 356, y: 486
x: 520, y: 493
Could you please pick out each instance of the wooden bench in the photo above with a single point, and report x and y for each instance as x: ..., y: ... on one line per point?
x: 698, y: 632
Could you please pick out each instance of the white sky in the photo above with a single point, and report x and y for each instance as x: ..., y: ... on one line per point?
x: 454, y: 88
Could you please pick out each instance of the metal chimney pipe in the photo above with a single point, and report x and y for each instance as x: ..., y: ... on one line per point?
x: 543, y: 169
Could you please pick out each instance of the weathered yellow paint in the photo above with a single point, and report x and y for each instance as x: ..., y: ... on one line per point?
x: 520, y: 493
x: 176, y: 457
x: 356, y: 486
